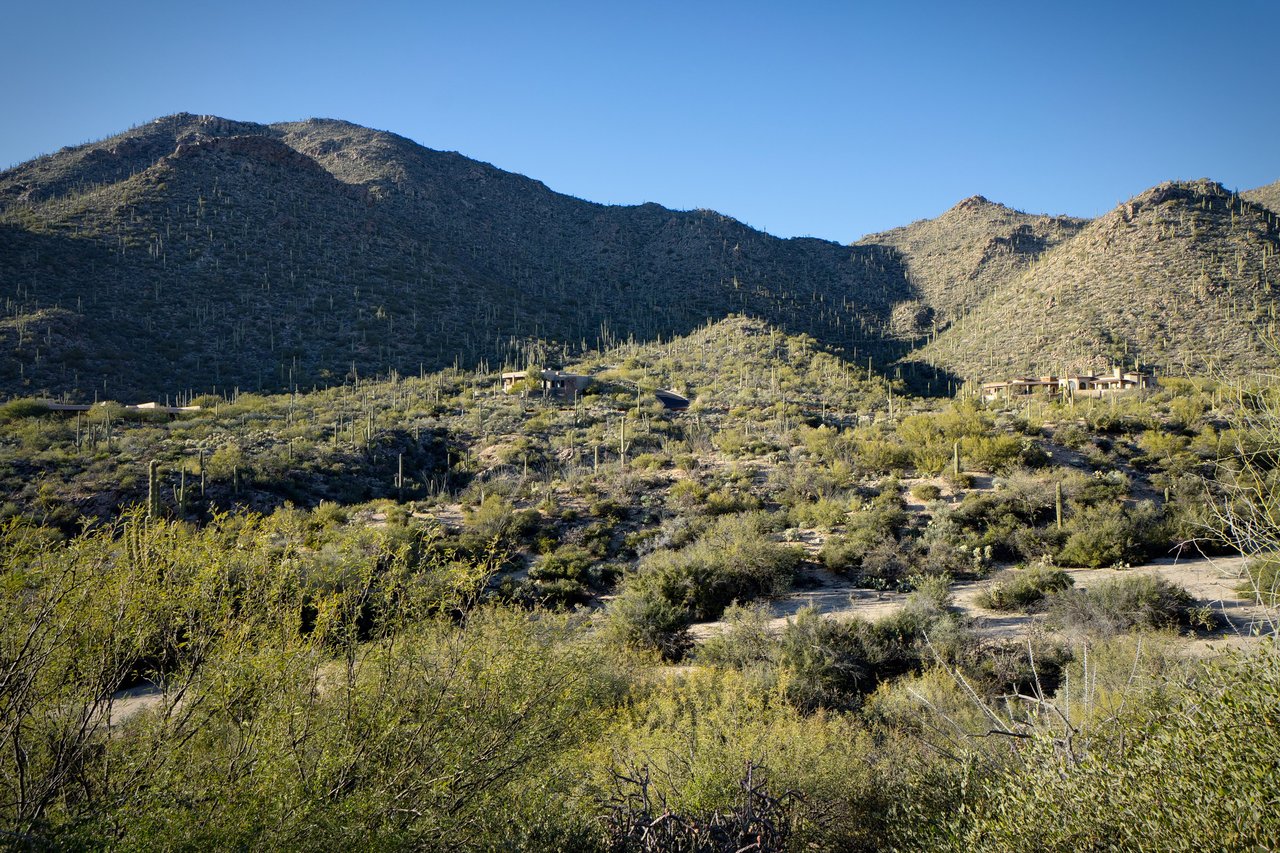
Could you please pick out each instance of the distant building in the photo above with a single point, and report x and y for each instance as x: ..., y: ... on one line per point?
x: 1117, y: 380
x: 1081, y: 385
x: 55, y: 406
x: 563, y: 386
x: 1021, y: 387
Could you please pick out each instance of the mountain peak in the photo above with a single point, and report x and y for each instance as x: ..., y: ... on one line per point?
x: 1180, y: 191
x: 975, y: 202
x: 1177, y: 276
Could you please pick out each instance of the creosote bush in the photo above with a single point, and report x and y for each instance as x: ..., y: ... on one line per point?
x: 362, y: 693
x: 1124, y: 603
x: 734, y: 559
x: 926, y: 492
x: 1109, y: 534
x: 1028, y: 587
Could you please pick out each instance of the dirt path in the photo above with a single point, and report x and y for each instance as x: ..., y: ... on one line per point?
x: 1210, y: 581
x: 832, y: 595
x: 127, y: 703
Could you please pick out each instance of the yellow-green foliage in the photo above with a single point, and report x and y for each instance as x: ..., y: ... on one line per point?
x: 1198, y: 773
x: 1109, y: 534
x: 287, y: 710
x: 932, y: 438
x: 733, y: 560
x: 695, y: 735
x: 1262, y: 581
x: 1025, y: 589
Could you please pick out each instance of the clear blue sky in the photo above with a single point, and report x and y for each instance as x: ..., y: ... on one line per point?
x: 823, y: 119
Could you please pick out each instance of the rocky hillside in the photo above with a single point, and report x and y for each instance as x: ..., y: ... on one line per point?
x: 958, y: 258
x: 195, y: 252
x: 1268, y: 196
x: 1184, y: 274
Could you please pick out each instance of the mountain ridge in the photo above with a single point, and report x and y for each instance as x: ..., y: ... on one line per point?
x: 959, y: 256
x: 197, y: 252
x: 349, y: 246
x: 1268, y: 196
x: 1151, y: 282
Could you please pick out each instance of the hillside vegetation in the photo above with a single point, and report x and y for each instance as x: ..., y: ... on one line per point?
x: 195, y: 252
x: 1268, y: 196
x: 419, y: 613
x: 971, y: 251
x: 1181, y: 277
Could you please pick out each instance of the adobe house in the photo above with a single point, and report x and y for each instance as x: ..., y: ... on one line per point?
x: 562, y: 386
x: 1021, y: 387
x: 1080, y: 385
x: 1117, y: 380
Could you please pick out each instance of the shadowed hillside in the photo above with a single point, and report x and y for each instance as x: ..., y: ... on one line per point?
x: 195, y: 252
x: 963, y: 255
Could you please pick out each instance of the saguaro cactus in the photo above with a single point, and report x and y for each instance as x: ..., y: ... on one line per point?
x: 153, y: 489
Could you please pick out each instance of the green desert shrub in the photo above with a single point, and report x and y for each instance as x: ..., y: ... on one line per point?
x: 1197, y: 773
x: 1262, y: 580
x: 459, y: 717
x: 926, y: 492
x: 736, y: 443
x: 1071, y: 435
x: 734, y: 559
x: 824, y: 513
x: 555, y: 593
x: 686, y: 496
x: 571, y: 562
x: 885, y: 565
x: 843, y: 554
x: 879, y: 454
x: 869, y: 530
x: 641, y: 617
x: 992, y: 519
x: 496, y: 519
x: 730, y: 500
x: 824, y: 663
x: 1110, y: 534
x: 692, y: 737
x: 1027, y: 588
x: 650, y: 461
x: 1124, y: 603
x: 997, y: 453
x: 744, y: 641
x: 22, y: 408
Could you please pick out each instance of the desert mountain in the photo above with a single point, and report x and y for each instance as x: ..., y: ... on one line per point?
x: 195, y: 252
x: 1182, y: 275
x: 1268, y: 196
x: 958, y: 258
